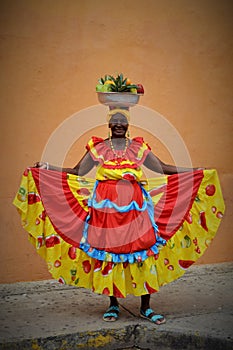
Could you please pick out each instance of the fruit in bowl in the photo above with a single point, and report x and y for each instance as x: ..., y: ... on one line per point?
x: 119, y: 84
x: 119, y: 91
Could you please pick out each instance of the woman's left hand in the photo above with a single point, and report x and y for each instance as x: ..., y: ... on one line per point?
x: 41, y: 165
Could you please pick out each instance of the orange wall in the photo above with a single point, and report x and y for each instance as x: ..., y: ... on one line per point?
x: 53, y: 52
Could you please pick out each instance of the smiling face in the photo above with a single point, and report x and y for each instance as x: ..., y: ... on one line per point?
x: 118, y: 125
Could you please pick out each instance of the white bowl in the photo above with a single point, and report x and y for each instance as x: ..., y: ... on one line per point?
x: 118, y: 99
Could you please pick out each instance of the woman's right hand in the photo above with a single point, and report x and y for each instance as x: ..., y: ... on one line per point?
x: 41, y: 165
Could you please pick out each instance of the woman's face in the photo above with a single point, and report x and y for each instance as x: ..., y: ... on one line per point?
x: 118, y: 125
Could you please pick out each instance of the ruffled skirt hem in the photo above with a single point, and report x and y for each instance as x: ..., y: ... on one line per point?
x: 68, y: 264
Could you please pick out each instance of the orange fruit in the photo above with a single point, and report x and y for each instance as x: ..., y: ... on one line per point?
x: 128, y: 81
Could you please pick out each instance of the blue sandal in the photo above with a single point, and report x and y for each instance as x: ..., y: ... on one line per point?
x: 111, y: 315
x: 152, y: 317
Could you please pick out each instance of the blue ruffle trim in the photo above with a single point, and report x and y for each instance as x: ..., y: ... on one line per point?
x: 117, y: 258
x: 129, y: 257
x: 106, y: 203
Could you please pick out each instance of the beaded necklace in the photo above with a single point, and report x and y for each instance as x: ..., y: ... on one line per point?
x: 116, y: 155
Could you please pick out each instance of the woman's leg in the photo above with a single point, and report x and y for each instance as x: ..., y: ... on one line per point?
x: 112, y: 313
x: 149, y: 314
x: 145, y: 302
x: 113, y: 301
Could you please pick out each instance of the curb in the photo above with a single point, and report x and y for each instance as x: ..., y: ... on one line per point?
x: 129, y: 336
x: 44, y: 315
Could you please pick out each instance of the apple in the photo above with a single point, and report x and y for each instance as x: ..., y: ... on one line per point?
x: 108, y: 268
x: 51, y: 241
x: 106, y: 88
x: 43, y: 215
x: 57, y: 263
x: 210, y: 190
x: 40, y: 241
x: 195, y: 241
x: 86, y: 266
x: 189, y: 218
x: 99, y: 87
x: 214, y: 209
x: 33, y: 198
x: 128, y: 176
x: 72, y: 252
x: 140, y: 89
x: 98, y: 265
x: 219, y: 215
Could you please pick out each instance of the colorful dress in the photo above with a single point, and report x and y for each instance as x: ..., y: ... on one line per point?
x: 120, y: 233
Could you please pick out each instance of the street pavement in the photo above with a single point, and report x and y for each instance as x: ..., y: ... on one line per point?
x: 48, y: 315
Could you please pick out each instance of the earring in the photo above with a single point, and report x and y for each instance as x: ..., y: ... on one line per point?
x: 128, y: 133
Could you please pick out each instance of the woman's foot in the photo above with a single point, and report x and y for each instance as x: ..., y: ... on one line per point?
x: 112, y: 314
x: 151, y: 316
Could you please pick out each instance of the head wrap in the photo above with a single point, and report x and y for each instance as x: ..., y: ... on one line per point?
x: 124, y: 112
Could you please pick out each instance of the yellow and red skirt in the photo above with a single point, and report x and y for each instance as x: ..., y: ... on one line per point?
x: 119, y: 237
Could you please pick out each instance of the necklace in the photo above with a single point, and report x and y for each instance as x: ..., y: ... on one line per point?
x: 114, y: 151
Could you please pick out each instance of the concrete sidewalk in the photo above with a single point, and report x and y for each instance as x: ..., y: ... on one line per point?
x: 47, y: 315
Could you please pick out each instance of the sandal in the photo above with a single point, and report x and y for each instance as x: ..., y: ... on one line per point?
x: 111, y: 315
x: 152, y: 317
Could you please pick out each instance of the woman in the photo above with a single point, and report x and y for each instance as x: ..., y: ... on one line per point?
x: 130, y: 239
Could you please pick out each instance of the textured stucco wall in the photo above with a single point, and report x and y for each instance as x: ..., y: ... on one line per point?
x: 52, y: 53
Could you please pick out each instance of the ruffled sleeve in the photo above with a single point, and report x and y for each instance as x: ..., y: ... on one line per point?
x: 93, y: 142
x: 97, y: 148
x: 140, y: 149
